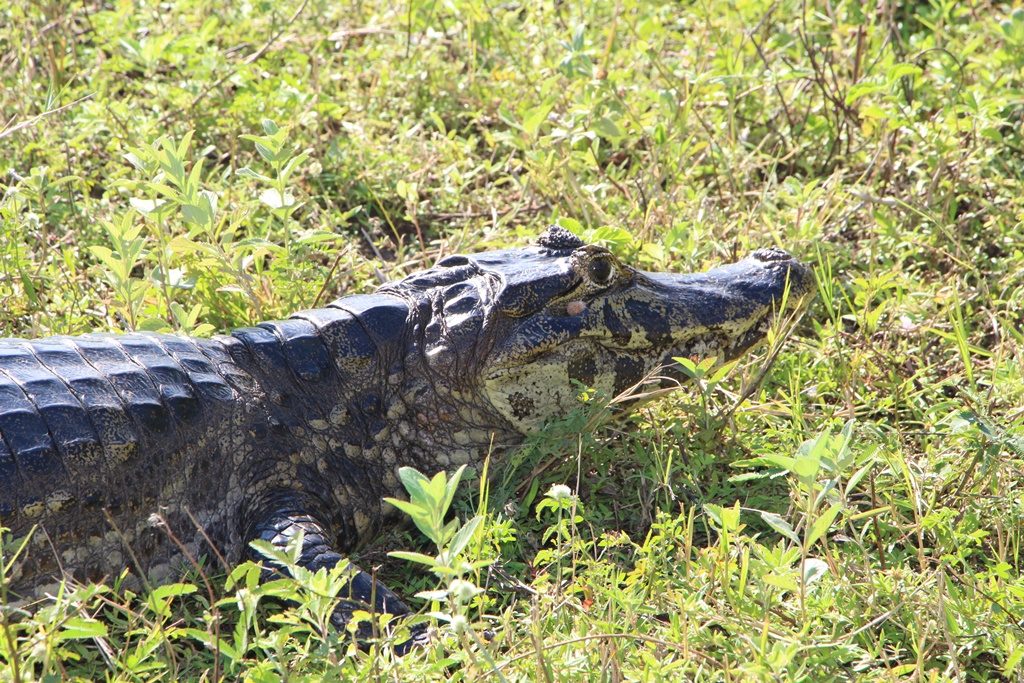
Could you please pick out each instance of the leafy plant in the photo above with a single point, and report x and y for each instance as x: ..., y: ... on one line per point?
x: 428, y: 504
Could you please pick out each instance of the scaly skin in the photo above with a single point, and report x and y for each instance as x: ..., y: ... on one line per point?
x: 141, y: 450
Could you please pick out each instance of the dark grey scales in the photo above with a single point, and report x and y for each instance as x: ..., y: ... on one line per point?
x: 303, y: 423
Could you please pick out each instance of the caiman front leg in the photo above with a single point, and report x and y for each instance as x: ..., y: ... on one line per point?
x: 363, y: 592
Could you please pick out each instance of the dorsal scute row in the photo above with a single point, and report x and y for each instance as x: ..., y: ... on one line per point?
x: 78, y: 413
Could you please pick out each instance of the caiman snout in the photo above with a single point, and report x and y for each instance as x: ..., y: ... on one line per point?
x: 772, y: 254
x: 800, y: 278
x: 766, y: 276
x: 799, y: 275
x: 734, y: 295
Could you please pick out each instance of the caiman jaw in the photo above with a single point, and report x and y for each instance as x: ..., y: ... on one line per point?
x: 723, y: 312
x: 616, y: 338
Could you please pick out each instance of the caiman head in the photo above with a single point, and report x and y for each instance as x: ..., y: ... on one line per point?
x: 526, y: 329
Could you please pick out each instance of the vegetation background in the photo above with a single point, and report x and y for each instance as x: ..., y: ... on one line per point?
x: 195, y: 165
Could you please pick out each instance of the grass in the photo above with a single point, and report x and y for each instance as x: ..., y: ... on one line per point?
x: 198, y: 165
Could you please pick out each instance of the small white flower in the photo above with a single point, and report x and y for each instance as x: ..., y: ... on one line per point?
x: 560, y: 492
x: 463, y: 590
x: 460, y: 624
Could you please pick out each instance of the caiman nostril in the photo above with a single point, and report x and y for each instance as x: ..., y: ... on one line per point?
x: 771, y: 254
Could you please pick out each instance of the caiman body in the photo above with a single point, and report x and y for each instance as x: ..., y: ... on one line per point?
x: 131, y: 450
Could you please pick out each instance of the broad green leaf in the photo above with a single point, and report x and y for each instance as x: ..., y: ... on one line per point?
x: 450, y: 488
x: 292, y: 164
x: 418, y: 558
x: 727, y: 518
x: 174, y: 590
x: 414, y: 482
x: 268, y: 153
x: 780, y: 525
x: 859, y: 90
x: 410, y: 508
x: 814, y: 569
x: 247, y: 172
x: 212, y: 643
x: 272, y: 197
x: 723, y: 371
x: 436, y: 489
x: 533, y: 118
x: 898, y: 71
x: 186, y: 142
x: 806, y: 467
x: 270, y: 551
x: 195, y: 177
x: 782, y: 461
x: 570, y: 224
x: 146, y: 206
x: 26, y: 282
x: 612, y: 236
x: 822, y: 524
x: 196, y: 214
x: 81, y: 627
x: 608, y: 129
x: 786, y: 582
x: 246, y: 574
x: 464, y: 535
x: 320, y: 237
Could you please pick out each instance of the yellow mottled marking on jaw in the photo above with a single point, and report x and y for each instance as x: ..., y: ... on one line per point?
x: 362, y: 521
x: 56, y: 501
x: 544, y: 383
x: 33, y: 509
x: 121, y: 452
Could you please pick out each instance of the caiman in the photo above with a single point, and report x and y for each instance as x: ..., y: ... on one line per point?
x: 124, y: 450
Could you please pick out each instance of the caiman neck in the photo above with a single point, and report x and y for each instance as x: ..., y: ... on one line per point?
x: 434, y: 428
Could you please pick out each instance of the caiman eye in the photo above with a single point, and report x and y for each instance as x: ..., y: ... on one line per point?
x: 600, y: 271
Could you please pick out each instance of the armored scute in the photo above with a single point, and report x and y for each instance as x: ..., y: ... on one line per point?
x: 130, y: 450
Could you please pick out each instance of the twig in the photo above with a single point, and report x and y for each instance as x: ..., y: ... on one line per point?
x: 10, y: 130
x: 380, y: 276
x: 330, y: 276
x: 266, y: 46
x: 346, y: 33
